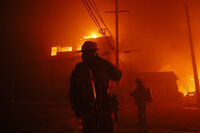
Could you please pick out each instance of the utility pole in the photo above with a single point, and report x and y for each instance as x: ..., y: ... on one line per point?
x: 117, y: 41
x: 117, y: 35
x: 194, y: 65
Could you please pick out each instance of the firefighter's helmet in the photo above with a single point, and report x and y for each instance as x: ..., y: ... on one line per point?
x: 89, y: 45
x: 138, y: 80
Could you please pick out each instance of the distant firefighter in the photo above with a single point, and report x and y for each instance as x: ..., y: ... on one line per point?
x: 89, y: 95
x: 142, y: 96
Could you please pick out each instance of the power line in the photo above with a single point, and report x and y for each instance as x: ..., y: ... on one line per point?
x: 98, y: 13
x: 93, y: 11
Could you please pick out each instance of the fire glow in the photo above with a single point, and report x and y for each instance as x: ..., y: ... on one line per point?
x: 92, y: 36
x: 54, y: 50
x: 190, y: 94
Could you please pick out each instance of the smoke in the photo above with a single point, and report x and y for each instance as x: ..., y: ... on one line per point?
x: 153, y: 32
x: 156, y: 35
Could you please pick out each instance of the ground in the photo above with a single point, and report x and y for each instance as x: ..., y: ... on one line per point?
x: 59, y: 118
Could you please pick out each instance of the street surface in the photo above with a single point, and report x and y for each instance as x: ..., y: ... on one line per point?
x: 59, y: 118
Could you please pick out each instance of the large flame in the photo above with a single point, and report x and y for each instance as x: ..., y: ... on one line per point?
x: 91, y: 36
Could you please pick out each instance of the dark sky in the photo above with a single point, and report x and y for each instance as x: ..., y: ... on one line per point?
x: 157, y: 27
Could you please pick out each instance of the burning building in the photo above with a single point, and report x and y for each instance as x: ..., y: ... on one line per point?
x: 46, y: 79
x: 163, y: 85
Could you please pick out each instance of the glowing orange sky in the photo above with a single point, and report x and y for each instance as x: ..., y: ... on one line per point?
x: 157, y: 27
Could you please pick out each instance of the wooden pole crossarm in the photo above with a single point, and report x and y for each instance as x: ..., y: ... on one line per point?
x: 116, y: 11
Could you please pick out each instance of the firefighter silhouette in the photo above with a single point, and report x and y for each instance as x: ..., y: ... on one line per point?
x: 89, y: 95
x: 142, y: 96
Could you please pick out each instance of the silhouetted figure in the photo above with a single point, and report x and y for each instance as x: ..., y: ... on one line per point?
x: 142, y: 96
x: 89, y: 94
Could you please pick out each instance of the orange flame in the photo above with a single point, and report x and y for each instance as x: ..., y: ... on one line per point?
x: 54, y: 50
x: 65, y: 49
x: 92, y: 36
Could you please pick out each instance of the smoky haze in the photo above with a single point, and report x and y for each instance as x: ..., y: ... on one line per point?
x: 158, y: 29
x: 153, y: 31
